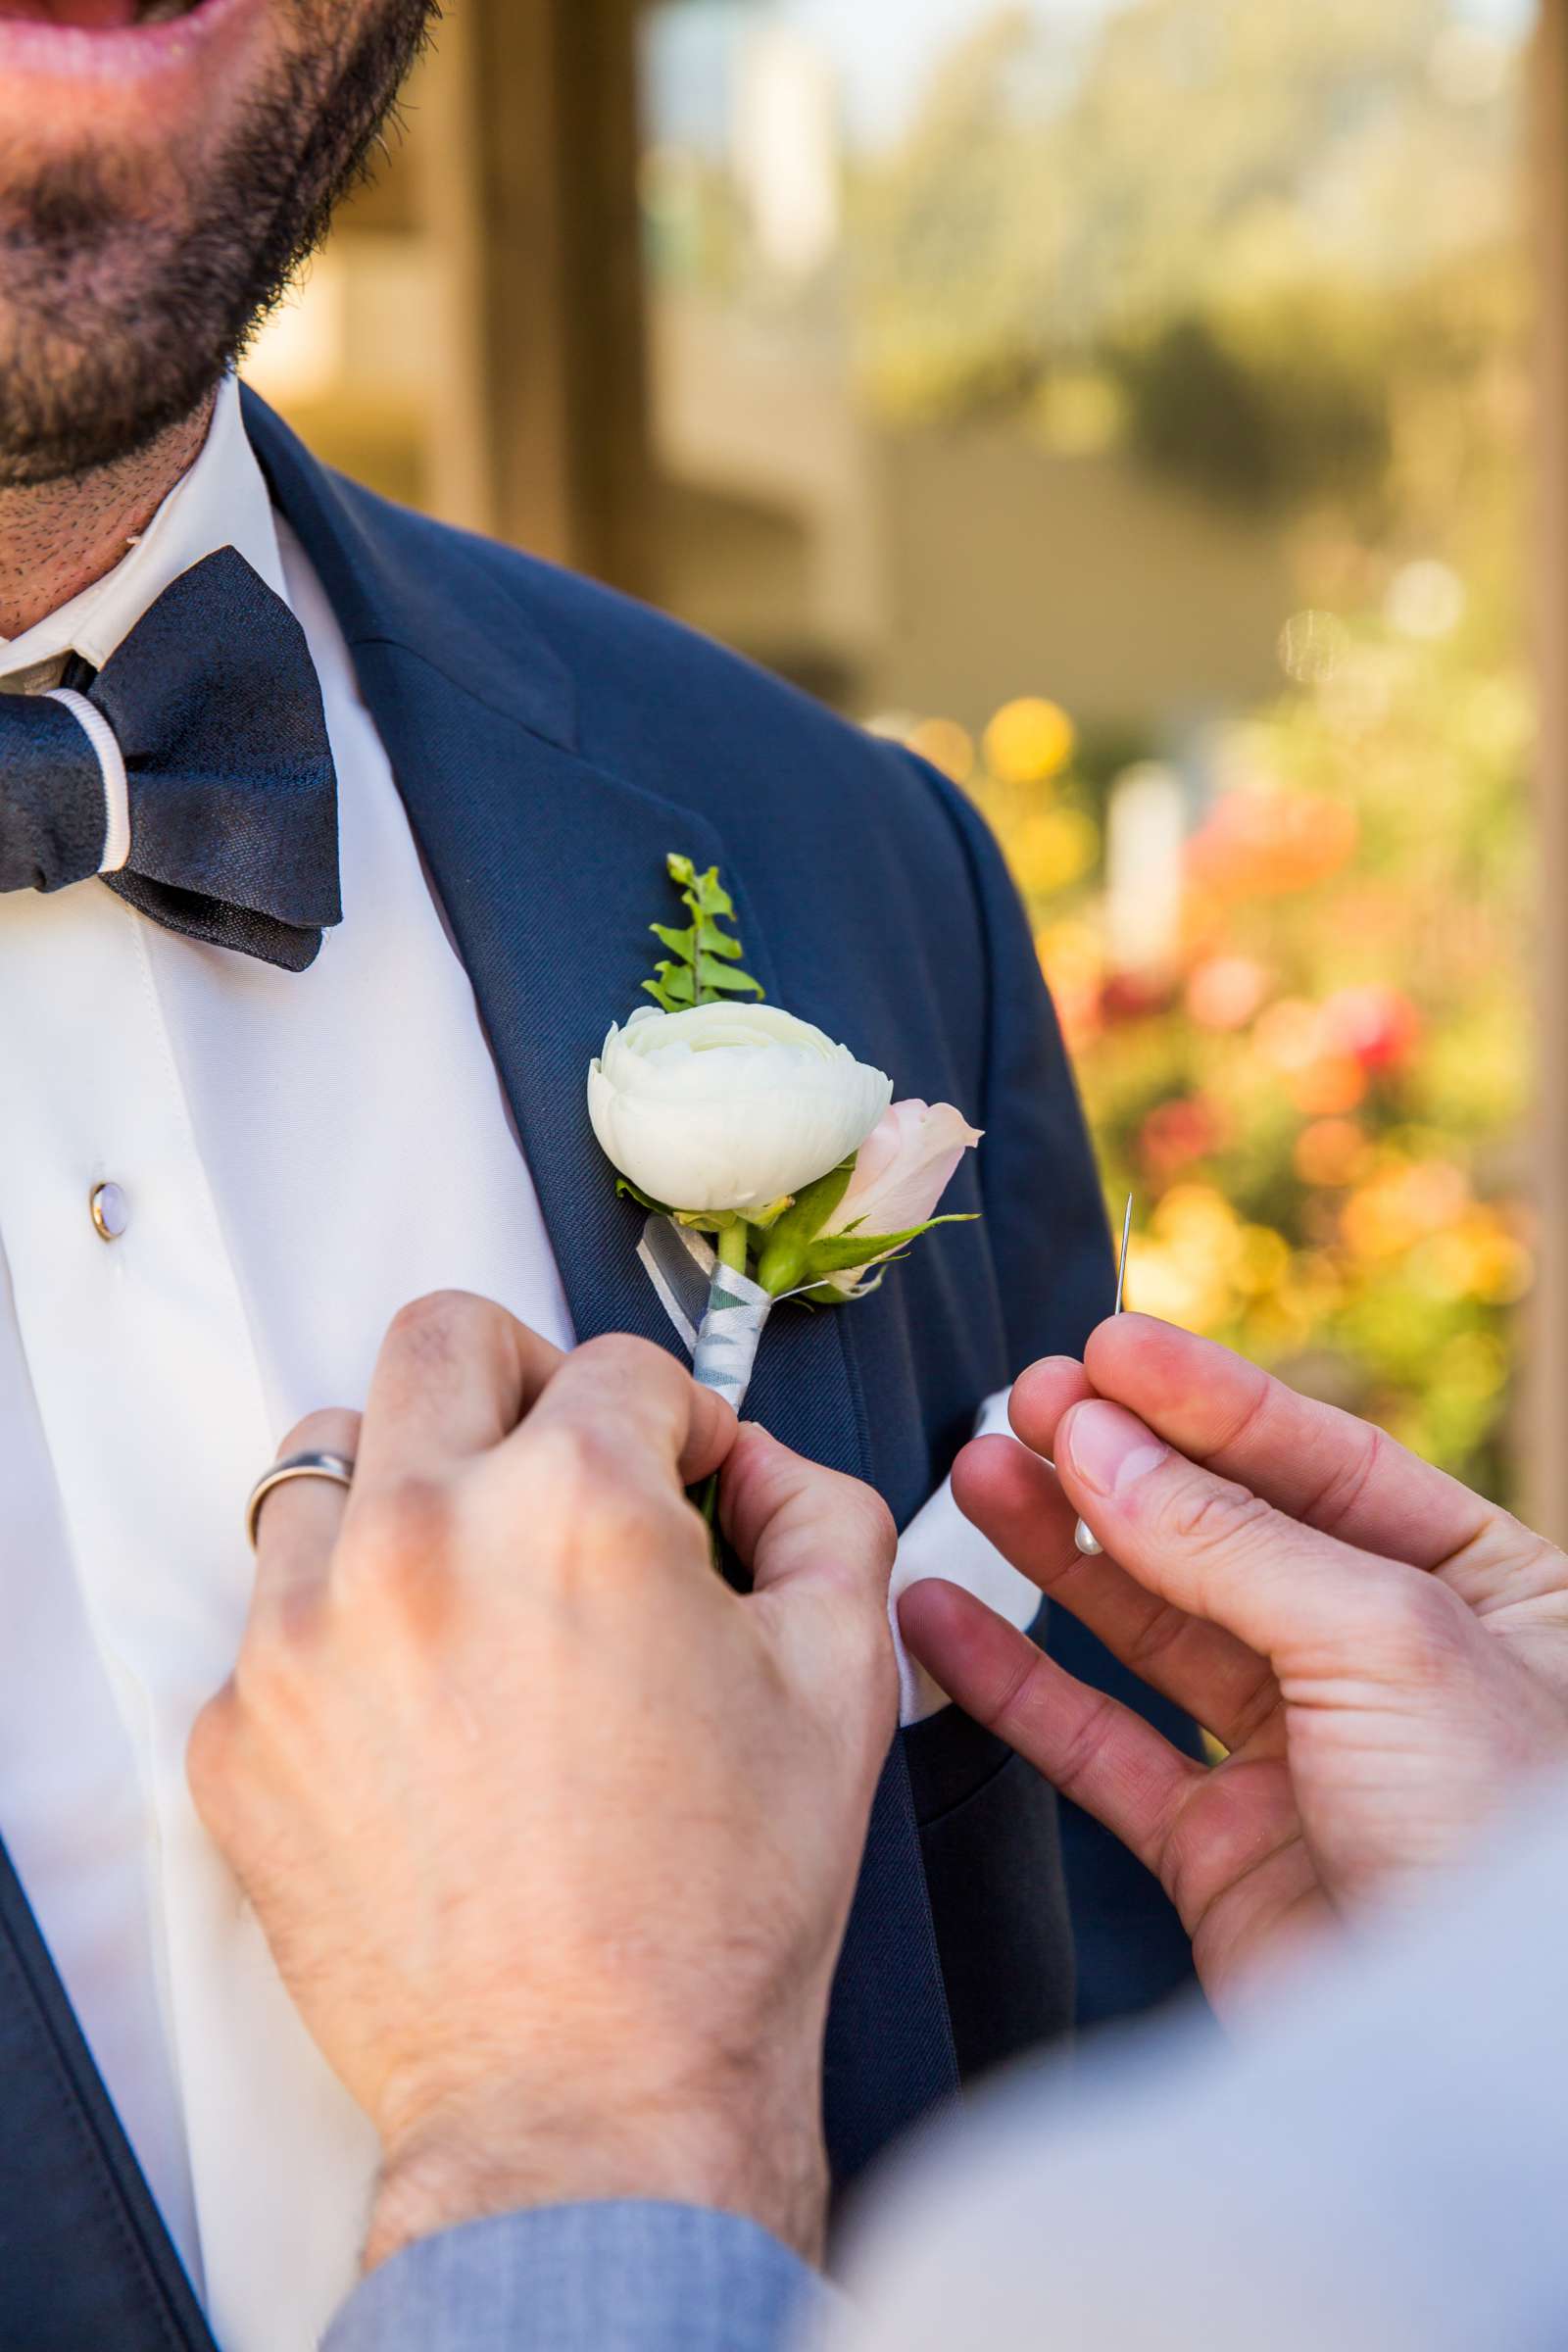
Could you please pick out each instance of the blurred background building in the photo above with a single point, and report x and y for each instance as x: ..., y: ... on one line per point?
x: 1148, y: 409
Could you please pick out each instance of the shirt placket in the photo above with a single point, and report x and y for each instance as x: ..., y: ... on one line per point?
x: 152, y: 1400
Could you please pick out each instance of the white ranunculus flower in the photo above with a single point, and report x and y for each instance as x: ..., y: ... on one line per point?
x: 729, y: 1105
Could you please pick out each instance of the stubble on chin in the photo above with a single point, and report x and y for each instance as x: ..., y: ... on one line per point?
x: 128, y: 287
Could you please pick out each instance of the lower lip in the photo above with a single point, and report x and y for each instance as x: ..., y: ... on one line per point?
x: 128, y: 53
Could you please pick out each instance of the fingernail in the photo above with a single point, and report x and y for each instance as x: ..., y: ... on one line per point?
x: 1109, y: 1450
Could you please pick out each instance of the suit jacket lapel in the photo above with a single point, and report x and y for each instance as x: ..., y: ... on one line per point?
x: 84, y: 2256
x: 550, y: 871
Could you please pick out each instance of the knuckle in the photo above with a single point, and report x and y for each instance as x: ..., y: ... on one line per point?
x: 402, y: 1529
x: 268, y: 1690
x: 211, y: 1751
x: 1413, y: 1625
x: 1348, y: 1478
x: 333, y: 1429
x: 881, y: 1529
x: 1154, y: 1638
x: 1087, y: 1743
x: 1211, y: 1518
x: 592, y: 1506
x: 444, y: 1324
x: 576, y: 1464
x: 624, y: 1357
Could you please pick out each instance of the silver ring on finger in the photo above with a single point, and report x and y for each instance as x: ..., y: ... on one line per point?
x: 337, y: 1468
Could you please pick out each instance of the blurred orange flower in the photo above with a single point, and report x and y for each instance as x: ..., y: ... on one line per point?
x: 1403, y: 1204
x: 1329, y: 1086
x: 1289, y: 1034
x: 1262, y: 843
x: 1331, y: 1152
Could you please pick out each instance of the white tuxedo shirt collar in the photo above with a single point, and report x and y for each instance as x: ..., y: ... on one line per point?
x: 221, y: 501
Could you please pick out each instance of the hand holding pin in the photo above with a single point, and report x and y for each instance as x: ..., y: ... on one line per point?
x: 1084, y: 1536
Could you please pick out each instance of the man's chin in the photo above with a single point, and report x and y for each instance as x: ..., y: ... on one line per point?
x: 159, y: 182
x: 72, y: 411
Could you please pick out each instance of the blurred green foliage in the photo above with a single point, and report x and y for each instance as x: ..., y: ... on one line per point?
x: 1276, y: 255
x: 1205, y: 204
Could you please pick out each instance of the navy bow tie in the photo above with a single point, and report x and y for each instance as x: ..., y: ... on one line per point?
x: 214, y: 703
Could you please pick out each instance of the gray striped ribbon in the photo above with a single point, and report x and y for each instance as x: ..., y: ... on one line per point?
x: 719, y: 1314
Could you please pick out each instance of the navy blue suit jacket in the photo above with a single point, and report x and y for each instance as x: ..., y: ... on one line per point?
x: 553, y: 743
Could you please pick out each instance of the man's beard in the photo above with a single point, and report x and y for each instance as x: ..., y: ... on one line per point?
x: 116, y: 323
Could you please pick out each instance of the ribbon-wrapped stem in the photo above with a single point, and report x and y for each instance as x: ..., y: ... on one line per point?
x: 731, y: 1334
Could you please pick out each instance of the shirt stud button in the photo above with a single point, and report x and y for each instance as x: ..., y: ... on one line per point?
x: 111, y: 1211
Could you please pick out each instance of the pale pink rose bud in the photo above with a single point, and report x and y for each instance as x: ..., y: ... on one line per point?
x: 905, y: 1166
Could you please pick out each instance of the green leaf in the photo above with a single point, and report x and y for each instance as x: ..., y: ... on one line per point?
x: 705, y: 957
x: 816, y: 1202
x: 630, y: 1192
x: 705, y: 893
x: 679, y: 943
x: 762, y: 1220
x: 842, y: 1252
x: 717, y: 979
x: 673, y: 987
x: 709, y: 1220
x: 784, y: 1259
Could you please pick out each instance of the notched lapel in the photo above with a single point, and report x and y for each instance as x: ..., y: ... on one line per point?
x: 549, y: 873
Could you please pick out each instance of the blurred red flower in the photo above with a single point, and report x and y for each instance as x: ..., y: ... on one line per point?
x: 1178, y: 1133
x: 1377, y: 1026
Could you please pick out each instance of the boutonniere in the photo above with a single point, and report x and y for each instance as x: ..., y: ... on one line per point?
x: 773, y: 1165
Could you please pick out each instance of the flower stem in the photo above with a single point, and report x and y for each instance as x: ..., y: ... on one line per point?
x: 706, y: 1498
x: 735, y: 1247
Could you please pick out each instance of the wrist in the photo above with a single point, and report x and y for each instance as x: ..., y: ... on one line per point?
x: 747, y: 2152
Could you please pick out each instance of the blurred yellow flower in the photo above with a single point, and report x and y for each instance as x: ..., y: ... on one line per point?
x: 1476, y: 1258
x: 1475, y: 1363
x: 1262, y: 1262
x: 1178, y: 1289
x: 1185, y: 1269
x: 1195, y: 1216
x: 1049, y: 851
x: 1029, y: 741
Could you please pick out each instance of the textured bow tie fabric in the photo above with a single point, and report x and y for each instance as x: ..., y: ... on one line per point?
x: 214, y: 701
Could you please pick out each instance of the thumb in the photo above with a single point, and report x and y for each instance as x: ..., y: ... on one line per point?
x: 1211, y: 1548
x: 819, y: 1547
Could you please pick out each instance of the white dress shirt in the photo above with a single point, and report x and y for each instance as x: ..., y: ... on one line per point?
x: 299, y: 1155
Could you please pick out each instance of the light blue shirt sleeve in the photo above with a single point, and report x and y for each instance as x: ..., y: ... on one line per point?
x: 611, y: 2277
x: 1380, y: 2166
